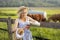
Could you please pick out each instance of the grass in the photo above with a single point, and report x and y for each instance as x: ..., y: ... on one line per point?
x: 49, y: 33
x: 3, y: 34
x: 13, y: 11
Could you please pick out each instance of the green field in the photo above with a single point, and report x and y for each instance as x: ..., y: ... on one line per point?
x: 49, y: 33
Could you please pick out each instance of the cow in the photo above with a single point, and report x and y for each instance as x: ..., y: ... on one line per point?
x: 55, y: 18
x: 36, y: 15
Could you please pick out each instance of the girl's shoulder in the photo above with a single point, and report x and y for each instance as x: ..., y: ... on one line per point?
x: 16, y: 20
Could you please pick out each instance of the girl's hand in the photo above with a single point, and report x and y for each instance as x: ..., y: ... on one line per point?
x: 27, y: 27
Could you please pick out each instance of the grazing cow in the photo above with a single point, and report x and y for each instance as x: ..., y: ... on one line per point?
x: 55, y: 18
x: 37, y: 15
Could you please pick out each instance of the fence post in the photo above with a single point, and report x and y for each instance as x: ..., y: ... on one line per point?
x: 9, y: 28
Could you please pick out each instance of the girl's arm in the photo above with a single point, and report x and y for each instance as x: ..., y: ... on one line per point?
x: 15, y: 25
x: 34, y: 22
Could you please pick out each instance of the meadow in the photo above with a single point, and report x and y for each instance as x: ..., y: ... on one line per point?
x: 48, y: 33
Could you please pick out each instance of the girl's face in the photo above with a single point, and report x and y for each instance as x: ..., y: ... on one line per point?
x: 24, y: 14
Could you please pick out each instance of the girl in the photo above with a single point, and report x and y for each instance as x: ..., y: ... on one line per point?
x: 22, y: 21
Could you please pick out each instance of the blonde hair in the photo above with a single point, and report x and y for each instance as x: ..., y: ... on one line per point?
x: 20, y: 10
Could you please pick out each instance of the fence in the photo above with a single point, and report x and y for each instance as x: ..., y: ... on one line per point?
x: 10, y: 21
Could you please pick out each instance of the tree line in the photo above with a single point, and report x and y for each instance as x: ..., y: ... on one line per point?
x: 30, y: 3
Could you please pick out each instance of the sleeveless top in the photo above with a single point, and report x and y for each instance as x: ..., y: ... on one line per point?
x: 27, y: 32
x: 22, y: 24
